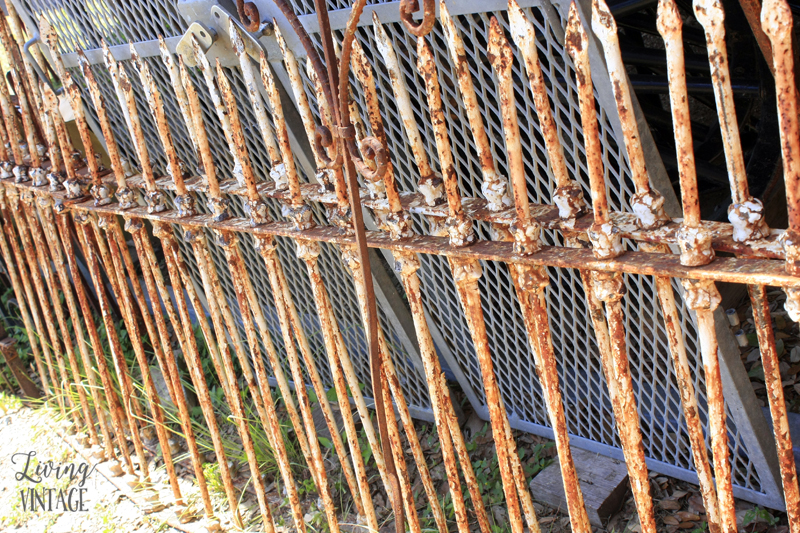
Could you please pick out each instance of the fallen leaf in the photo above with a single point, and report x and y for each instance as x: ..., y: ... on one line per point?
x: 669, y: 505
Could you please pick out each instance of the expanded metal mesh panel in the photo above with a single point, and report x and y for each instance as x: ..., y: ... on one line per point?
x: 588, y: 407
x: 83, y: 24
x: 338, y: 281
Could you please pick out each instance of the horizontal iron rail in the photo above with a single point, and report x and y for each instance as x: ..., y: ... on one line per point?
x: 730, y: 269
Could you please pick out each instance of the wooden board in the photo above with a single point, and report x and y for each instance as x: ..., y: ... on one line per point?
x: 603, y: 480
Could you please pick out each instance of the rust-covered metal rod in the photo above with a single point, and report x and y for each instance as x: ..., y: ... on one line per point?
x: 289, y: 168
x: 296, y: 81
x: 183, y: 200
x: 120, y: 365
x: 28, y: 127
x: 30, y: 80
x: 289, y: 321
x: 778, y: 26
x: 386, y: 185
x: 703, y: 298
x: 695, y: 244
x: 100, y: 191
x: 670, y: 26
x: 309, y: 251
x: 9, y: 118
x: 25, y: 262
x: 249, y: 303
x: 177, y: 86
x: 430, y: 183
x: 219, y: 106
x: 694, y: 425
x: 45, y: 215
x: 153, y: 278
x: 221, y: 317
x: 777, y: 22
x: 38, y: 249
x: 396, y: 446
x: 357, y: 480
x: 494, y: 186
x: 609, y: 287
x: 647, y: 203
x: 124, y: 194
x: 121, y: 263
x: 341, y: 216
x: 186, y: 208
x: 175, y: 268
x: 127, y: 100
x: 166, y: 359
x: 460, y: 231
x: 407, y: 265
x: 55, y: 177
x: 218, y: 207
x: 531, y: 282
x: 18, y: 275
x: 746, y: 213
x: 777, y: 404
x: 239, y: 140
x: 568, y: 195
x: 253, y: 92
x: 74, y: 186
x: 112, y: 400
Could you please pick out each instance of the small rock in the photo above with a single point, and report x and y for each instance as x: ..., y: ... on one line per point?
x: 499, y: 514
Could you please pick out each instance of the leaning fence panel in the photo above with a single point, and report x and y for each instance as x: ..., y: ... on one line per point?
x: 257, y: 215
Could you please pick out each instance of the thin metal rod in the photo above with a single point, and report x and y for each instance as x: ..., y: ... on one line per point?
x: 25, y: 299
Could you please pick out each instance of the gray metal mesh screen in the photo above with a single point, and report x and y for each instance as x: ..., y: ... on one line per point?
x: 586, y: 401
x: 588, y: 409
x: 337, y: 280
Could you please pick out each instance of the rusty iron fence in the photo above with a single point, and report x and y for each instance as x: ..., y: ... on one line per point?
x: 469, y: 140
x: 666, y: 439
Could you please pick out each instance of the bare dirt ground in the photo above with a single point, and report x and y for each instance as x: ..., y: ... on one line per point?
x: 23, y: 430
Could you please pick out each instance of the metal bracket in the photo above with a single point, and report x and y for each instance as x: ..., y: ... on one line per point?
x: 214, y: 39
x: 39, y: 72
